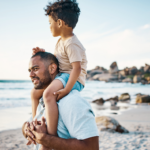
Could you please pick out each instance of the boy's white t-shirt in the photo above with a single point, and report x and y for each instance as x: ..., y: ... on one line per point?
x: 69, y: 51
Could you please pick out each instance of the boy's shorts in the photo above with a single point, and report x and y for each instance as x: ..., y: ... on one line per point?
x: 63, y: 77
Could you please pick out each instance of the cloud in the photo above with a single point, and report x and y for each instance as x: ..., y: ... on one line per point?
x: 145, y: 26
x: 127, y: 47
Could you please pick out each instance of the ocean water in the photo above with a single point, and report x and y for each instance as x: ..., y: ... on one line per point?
x: 17, y: 93
x: 15, y: 102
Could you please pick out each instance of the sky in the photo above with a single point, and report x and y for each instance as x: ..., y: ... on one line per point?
x: 110, y: 30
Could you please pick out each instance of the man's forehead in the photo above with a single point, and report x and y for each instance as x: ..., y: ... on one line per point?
x: 35, y: 61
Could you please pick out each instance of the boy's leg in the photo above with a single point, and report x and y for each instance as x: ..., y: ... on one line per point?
x: 51, y: 109
x: 35, y: 97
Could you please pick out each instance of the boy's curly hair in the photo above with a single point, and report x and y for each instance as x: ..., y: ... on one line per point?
x: 66, y: 10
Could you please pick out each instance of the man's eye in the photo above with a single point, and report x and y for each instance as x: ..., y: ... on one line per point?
x: 35, y: 69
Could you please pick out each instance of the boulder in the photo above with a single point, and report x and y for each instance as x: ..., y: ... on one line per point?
x: 124, y: 97
x: 121, y: 77
x: 126, y: 71
x: 147, y: 68
x: 128, y: 80
x: 133, y: 70
x: 113, y: 98
x: 136, y: 79
x: 122, y: 72
x: 94, y: 72
x: 105, y: 123
x: 107, y: 77
x: 99, y: 101
x: 113, y: 68
x: 142, y: 98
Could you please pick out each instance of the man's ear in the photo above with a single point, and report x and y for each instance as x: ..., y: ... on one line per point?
x: 52, y: 68
x: 60, y: 23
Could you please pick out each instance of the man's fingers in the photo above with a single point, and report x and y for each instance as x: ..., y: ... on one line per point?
x: 29, y: 133
x: 29, y: 143
x: 39, y: 122
x: 31, y: 140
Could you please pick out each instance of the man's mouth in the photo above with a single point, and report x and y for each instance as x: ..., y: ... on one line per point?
x: 35, y: 80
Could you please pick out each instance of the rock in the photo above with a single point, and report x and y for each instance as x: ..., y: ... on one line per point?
x: 107, y: 77
x: 147, y: 68
x: 141, y: 69
x: 99, y: 101
x: 113, y: 98
x: 124, y: 97
x: 136, y: 79
x: 121, y: 77
x: 129, y: 80
x: 148, y: 78
x: 133, y: 70
x: 143, y: 99
x: 113, y: 68
x: 126, y: 71
x: 143, y: 82
x: 94, y: 72
x: 109, y: 124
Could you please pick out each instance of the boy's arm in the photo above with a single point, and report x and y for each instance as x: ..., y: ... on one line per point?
x: 72, y: 80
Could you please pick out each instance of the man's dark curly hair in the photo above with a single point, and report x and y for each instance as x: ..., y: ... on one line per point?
x: 66, y: 10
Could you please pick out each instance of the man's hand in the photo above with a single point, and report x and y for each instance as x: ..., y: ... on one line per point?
x: 36, y: 131
x: 61, y: 93
x: 37, y: 49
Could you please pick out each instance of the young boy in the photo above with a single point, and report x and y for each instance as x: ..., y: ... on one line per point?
x: 63, y: 17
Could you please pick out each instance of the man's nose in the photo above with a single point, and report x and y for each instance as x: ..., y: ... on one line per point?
x: 32, y: 74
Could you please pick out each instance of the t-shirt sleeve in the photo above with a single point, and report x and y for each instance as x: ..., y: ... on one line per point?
x: 74, y: 53
x: 79, y: 119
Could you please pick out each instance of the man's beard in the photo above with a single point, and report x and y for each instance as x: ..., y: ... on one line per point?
x: 43, y: 83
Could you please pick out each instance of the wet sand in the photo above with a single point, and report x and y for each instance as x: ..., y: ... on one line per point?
x: 136, y: 120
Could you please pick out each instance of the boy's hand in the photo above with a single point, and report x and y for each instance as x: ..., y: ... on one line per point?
x: 37, y: 49
x: 61, y: 93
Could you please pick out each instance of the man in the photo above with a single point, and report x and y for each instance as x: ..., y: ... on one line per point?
x: 76, y: 129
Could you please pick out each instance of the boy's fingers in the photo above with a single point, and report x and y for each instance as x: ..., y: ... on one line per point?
x: 31, y: 126
x: 43, y: 121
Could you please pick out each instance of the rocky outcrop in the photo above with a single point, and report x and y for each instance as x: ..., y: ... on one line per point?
x: 128, y: 75
x: 99, y: 101
x: 113, y: 68
x: 147, y: 68
x: 136, y: 79
x: 133, y: 70
x: 142, y: 98
x: 109, y: 124
x: 124, y: 97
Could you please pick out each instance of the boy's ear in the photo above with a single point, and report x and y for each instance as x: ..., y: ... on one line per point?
x: 60, y: 23
x: 52, y: 68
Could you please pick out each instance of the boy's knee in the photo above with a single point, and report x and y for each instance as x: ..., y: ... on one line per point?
x: 36, y: 94
x: 48, y: 96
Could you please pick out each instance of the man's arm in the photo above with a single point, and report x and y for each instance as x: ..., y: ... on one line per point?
x: 38, y: 134
x: 69, y: 144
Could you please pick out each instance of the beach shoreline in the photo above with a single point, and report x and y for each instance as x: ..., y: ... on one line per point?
x: 136, y: 120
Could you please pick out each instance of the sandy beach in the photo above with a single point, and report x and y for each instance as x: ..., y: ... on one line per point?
x: 136, y: 120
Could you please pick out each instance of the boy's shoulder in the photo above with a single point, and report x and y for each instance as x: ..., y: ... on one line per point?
x: 73, y: 41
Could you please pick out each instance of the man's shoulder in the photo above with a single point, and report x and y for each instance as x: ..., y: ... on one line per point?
x: 72, y: 101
